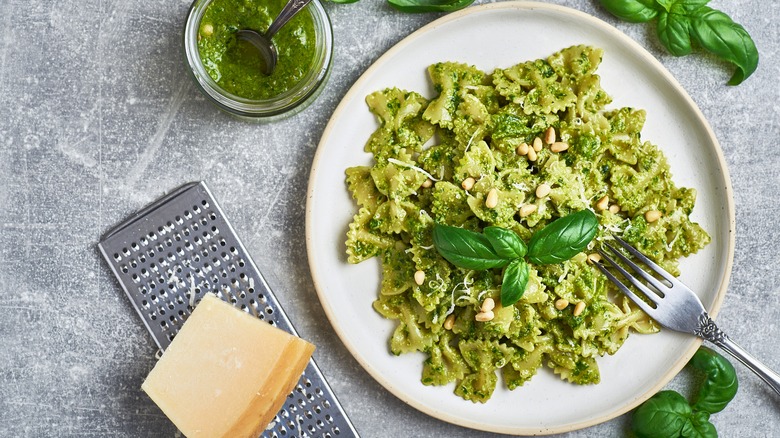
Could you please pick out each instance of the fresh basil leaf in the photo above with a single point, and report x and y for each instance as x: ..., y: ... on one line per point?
x: 666, y: 4
x: 635, y: 11
x: 563, y: 238
x: 688, y: 7
x: 664, y: 414
x: 506, y: 243
x: 699, y: 426
x: 717, y: 33
x: 466, y: 249
x: 429, y: 5
x: 720, y: 384
x: 674, y: 31
x: 514, y: 282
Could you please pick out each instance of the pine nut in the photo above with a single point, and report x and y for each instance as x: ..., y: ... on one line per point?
x: 427, y: 183
x: 614, y: 208
x: 488, y: 305
x: 468, y: 183
x: 549, y: 135
x: 485, y: 316
x: 449, y: 323
x: 419, y: 277
x: 532, y: 155
x: 527, y: 210
x: 594, y: 257
x: 522, y: 149
x: 542, y: 190
x: 537, y: 144
x: 559, y: 146
x: 561, y: 304
x: 652, y: 216
x: 492, y: 198
x: 207, y: 29
x: 603, y: 203
x: 578, y: 308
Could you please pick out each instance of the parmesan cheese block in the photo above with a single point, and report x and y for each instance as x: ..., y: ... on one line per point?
x: 226, y: 373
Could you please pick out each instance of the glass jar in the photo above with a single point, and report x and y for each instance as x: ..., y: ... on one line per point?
x: 282, y: 105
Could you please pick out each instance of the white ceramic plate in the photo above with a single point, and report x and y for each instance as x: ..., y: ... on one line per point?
x: 501, y: 35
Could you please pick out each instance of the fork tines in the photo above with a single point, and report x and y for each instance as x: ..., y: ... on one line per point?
x: 653, y: 295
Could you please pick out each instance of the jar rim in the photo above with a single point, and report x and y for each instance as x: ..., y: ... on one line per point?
x: 302, y: 92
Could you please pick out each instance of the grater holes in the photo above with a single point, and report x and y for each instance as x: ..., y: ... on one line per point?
x: 126, y: 252
x: 196, y: 209
x: 187, y: 215
x: 204, y: 203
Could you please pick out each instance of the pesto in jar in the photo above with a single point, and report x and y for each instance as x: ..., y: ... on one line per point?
x: 236, y: 66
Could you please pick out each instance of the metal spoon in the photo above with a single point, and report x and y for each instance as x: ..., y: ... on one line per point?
x: 263, y: 42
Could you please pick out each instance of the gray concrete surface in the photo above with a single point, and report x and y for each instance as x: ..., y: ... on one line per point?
x: 98, y: 117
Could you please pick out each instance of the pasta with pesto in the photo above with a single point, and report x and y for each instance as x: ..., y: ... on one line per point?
x: 542, y: 122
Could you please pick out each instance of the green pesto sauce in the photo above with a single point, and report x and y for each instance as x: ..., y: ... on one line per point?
x: 236, y: 66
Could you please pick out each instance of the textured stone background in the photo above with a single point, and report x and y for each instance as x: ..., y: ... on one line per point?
x: 98, y: 118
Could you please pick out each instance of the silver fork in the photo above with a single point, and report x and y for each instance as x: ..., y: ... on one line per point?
x: 675, y: 306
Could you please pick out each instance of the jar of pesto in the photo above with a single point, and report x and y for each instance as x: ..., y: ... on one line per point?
x: 229, y: 71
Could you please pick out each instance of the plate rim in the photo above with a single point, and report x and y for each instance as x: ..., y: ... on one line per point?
x: 646, y: 57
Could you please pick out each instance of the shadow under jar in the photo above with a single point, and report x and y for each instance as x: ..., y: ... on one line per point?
x: 229, y: 71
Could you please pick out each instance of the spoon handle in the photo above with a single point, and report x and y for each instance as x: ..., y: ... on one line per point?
x: 290, y: 9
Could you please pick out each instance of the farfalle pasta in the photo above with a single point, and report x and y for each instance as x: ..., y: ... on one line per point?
x: 538, y: 123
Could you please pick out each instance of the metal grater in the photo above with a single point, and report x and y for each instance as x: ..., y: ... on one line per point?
x: 171, y: 253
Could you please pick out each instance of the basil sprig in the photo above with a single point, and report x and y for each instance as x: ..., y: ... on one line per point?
x: 668, y: 413
x: 498, y: 247
x: 685, y: 23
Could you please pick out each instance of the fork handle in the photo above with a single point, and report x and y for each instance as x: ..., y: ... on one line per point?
x: 764, y: 372
x: 709, y: 331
